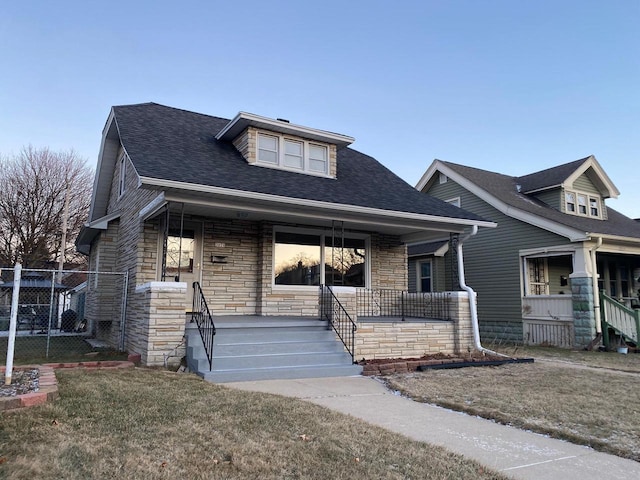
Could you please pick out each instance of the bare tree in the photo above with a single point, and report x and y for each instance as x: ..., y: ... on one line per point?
x: 33, y: 187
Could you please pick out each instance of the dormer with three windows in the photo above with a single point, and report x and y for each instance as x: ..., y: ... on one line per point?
x: 279, y: 144
x: 579, y: 188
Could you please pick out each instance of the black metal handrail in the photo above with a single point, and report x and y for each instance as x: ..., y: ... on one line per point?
x: 332, y: 310
x: 402, y: 304
x: 202, y: 316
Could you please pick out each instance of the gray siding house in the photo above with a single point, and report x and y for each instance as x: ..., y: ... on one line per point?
x: 557, y: 244
x: 245, y: 227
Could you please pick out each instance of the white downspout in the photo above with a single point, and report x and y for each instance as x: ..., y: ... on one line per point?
x: 594, y: 279
x: 473, y: 308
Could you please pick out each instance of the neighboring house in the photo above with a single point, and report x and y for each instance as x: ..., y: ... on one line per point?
x: 537, y: 275
x: 259, y: 213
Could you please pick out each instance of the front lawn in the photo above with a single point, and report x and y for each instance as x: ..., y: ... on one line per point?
x: 160, y: 425
x: 588, y: 398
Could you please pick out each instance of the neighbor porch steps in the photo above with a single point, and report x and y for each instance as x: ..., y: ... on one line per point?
x: 261, y: 348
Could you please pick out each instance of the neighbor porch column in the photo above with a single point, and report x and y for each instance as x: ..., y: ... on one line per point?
x: 582, y: 295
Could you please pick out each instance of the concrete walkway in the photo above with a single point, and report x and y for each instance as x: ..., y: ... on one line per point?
x: 516, y: 453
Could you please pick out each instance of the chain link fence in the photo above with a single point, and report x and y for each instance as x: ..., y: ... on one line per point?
x: 63, y: 315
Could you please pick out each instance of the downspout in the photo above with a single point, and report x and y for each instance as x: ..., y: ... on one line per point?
x: 594, y: 279
x: 473, y: 308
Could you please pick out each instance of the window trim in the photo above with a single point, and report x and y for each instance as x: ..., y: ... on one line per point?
x: 588, y: 198
x: 442, y: 178
x: 322, y: 233
x: 419, y: 275
x: 281, y: 154
x: 122, y: 179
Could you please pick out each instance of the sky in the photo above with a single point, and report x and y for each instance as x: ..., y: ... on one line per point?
x: 511, y: 86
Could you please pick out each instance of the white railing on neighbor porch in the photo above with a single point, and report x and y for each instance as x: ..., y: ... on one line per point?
x: 548, y: 307
x: 622, y: 320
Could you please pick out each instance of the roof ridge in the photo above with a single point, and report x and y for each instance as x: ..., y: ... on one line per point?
x: 155, y: 104
x: 557, y: 167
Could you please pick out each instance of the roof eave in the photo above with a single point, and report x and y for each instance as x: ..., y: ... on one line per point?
x: 244, y: 119
x: 280, y: 201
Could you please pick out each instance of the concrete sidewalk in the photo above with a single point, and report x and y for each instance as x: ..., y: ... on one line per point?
x: 514, y: 452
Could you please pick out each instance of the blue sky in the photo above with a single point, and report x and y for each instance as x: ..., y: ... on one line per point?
x: 504, y: 85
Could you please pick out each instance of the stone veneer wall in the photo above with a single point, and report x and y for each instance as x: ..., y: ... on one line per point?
x: 388, y: 262
x: 160, y: 322
x: 584, y: 321
x: 381, y: 339
x: 232, y: 287
x: 103, y: 307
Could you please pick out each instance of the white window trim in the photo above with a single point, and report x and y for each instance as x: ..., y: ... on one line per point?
x: 454, y: 201
x: 419, y: 275
x: 122, y: 179
x: 306, y: 160
x: 588, y: 197
x: 528, y: 284
x: 323, y: 234
x: 442, y: 178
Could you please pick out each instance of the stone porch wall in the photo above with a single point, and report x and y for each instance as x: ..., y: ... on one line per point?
x: 411, y: 338
x: 384, y: 339
x: 157, y: 325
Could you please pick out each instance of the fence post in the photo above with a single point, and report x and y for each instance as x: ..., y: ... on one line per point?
x: 13, y: 323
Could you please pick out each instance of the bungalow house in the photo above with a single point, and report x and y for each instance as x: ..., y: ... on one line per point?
x: 539, y: 274
x: 263, y: 234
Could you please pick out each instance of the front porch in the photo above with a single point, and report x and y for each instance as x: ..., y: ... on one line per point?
x: 244, y: 347
x: 563, y: 292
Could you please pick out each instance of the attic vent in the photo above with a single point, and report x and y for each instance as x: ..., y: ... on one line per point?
x: 518, y: 187
x: 283, y: 120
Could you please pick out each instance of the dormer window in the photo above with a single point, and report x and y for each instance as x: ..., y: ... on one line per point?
x: 582, y: 204
x: 290, y: 154
x: 570, y: 199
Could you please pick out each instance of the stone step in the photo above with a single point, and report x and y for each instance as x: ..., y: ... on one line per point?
x: 280, y: 360
x: 251, y: 374
x: 252, y: 348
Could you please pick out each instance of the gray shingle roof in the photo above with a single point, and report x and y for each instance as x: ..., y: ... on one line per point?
x: 425, y: 248
x: 172, y: 144
x: 504, y: 188
x: 550, y: 177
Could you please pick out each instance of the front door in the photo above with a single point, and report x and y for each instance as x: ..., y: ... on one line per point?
x: 183, y: 260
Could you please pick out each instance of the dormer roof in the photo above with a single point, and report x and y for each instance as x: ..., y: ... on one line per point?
x: 243, y: 120
x: 564, y: 176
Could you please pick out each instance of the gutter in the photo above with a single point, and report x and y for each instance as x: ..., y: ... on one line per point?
x: 473, y: 307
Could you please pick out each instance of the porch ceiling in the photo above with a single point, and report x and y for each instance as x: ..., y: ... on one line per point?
x: 410, y: 227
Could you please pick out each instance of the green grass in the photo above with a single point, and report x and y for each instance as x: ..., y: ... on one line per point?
x: 33, y: 350
x: 160, y: 425
x: 596, y: 405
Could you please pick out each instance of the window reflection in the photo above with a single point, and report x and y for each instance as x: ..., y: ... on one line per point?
x: 179, y: 258
x: 306, y: 259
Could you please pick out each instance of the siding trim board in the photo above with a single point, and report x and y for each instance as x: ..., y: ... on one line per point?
x: 570, y: 233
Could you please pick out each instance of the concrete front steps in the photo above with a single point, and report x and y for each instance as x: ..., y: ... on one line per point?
x: 263, y: 348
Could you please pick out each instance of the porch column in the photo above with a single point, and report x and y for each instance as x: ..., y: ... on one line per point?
x: 159, y: 326
x: 582, y: 295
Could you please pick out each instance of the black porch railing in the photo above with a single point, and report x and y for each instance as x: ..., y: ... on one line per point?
x: 201, y: 315
x: 332, y: 310
x: 402, y: 304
